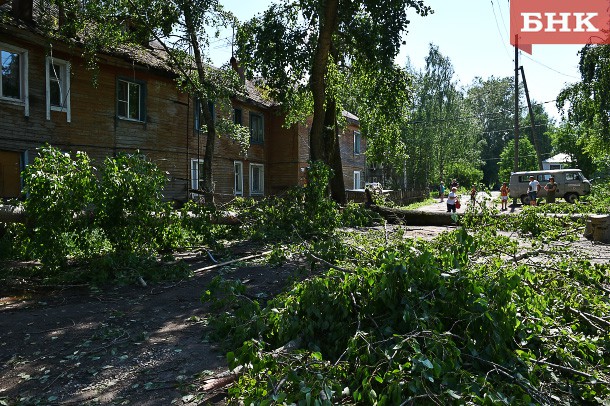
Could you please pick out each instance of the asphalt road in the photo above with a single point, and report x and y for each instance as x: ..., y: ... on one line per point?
x: 487, y: 198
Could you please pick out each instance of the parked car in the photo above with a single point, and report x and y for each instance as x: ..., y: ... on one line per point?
x: 571, y: 184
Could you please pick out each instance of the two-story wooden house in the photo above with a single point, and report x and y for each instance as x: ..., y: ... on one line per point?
x: 131, y: 102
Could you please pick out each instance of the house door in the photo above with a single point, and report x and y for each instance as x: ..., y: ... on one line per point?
x: 10, y: 174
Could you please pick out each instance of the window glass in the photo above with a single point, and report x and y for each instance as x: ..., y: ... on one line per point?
x: 237, y: 116
x: 134, y: 101
x: 199, y: 119
x: 10, y: 74
x: 123, y: 99
x: 357, y: 142
x: 256, y: 179
x: 55, y: 82
x: 197, y: 174
x: 356, y: 179
x: 239, y: 184
x: 256, y: 128
x: 129, y: 100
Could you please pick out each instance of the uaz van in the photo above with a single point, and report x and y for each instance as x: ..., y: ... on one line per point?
x: 571, y: 184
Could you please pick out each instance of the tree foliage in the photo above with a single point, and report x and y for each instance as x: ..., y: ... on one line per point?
x: 74, y: 212
x: 569, y: 139
x: 587, y: 103
x: 543, y: 126
x: 304, y: 50
x: 527, y: 158
x: 176, y: 31
x: 452, y: 321
x: 492, y: 101
x: 441, y: 132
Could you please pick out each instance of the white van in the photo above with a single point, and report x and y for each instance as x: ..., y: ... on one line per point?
x: 571, y: 184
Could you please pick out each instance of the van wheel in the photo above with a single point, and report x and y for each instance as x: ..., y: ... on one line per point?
x: 571, y: 197
x: 525, y: 200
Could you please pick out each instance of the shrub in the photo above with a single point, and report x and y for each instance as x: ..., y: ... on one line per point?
x: 59, y: 189
x: 129, y: 205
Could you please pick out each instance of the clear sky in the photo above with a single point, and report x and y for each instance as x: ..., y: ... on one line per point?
x: 474, y: 34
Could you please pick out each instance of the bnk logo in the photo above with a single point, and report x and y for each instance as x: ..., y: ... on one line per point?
x: 559, y: 22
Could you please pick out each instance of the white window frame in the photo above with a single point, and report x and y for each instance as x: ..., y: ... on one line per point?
x: 24, y: 99
x: 357, y: 175
x: 141, y: 99
x: 260, y: 140
x: 196, y: 172
x: 238, y: 178
x: 261, y: 180
x: 357, y: 143
x: 63, y: 77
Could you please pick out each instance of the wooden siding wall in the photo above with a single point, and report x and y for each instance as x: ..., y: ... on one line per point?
x: 168, y: 135
x: 352, y: 162
x: 95, y: 127
x: 283, y: 152
x: 228, y: 151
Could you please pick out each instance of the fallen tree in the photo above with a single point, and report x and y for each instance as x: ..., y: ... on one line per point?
x: 15, y: 214
x: 12, y: 214
x: 415, y: 217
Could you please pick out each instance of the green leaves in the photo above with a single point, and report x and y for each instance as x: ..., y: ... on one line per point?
x: 59, y: 189
x: 588, y: 101
x: 439, y: 321
x: 72, y: 214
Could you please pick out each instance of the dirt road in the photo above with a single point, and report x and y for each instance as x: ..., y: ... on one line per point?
x: 132, y: 345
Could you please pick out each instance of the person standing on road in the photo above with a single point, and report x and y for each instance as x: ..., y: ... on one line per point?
x: 454, y: 184
x: 441, y: 191
x: 473, y: 194
x: 532, y: 190
x: 551, y: 188
x: 504, y: 191
x: 452, y: 199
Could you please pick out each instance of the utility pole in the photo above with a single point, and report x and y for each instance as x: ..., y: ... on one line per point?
x: 516, y: 158
x: 529, y: 106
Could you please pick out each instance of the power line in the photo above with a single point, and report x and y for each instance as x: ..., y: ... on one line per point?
x: 503, y: 21
x: 548, y: 67
x: 493, y: 9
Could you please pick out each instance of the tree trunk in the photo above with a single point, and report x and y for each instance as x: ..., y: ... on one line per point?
x: 208, y: 179
x: 328, y: 24
x: 333, y: 151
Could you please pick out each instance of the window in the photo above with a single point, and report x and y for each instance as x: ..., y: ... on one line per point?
x: 570, y: 177
x: 237, y: 116
x: 554, y: 166
x: 357, y: 180
x: 58, y: 86
x: 197, y: 174
x: 357, y: 142
x: 257, y: 179
x: 238, y: 171
x: 130, y: 100
x: 14, y: 75
x: 257, y: 134
x: 199, y: 120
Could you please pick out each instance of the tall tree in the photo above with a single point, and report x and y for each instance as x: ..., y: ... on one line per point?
x: 180, y: 33
x: 587, y: 103
x: 304, y: 48
x: 527, y: 158
x: 492, y: 101
x: 442, y: 130
x: 543, y: 124
x: 569, y: 139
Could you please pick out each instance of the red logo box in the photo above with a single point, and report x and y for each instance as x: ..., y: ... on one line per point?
x: 559, y: 22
